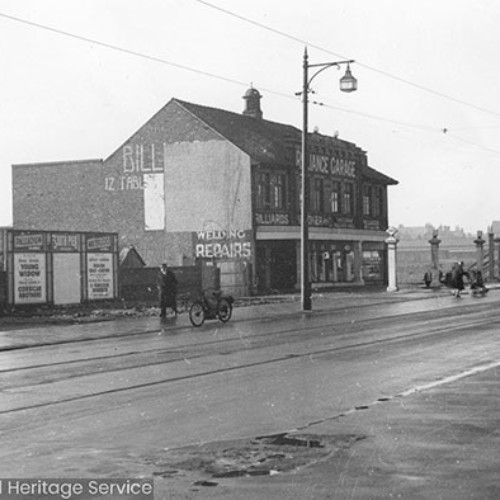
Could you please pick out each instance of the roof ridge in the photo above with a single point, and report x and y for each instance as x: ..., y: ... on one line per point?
x: 241, y: 116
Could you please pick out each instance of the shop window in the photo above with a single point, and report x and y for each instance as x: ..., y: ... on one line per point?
x: 335, y: 198
x: 348, y: 198
x: 373, y: 265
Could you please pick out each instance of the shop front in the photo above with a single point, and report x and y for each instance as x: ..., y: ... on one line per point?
x: 346, y: 260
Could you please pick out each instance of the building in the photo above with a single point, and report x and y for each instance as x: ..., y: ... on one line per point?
x: 196, y: 182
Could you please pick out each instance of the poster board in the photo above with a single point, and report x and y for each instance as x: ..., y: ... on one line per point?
x: 67, y: 278
x: 100, y: 276
x: 58, y: 267
x: 30, y: 278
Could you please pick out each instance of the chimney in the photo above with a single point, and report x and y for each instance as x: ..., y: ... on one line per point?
x: 252, y: 100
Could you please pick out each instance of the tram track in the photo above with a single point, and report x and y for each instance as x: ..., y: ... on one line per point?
x: 417, y: 333
x: 182, y: 348
x: 134, y: 333
x: 211, y: 347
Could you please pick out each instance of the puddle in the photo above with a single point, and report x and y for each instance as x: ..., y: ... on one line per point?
x: 261, y: 456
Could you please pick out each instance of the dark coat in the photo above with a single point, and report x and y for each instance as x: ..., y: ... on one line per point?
x: 457, y: 276
x: 167, y: 288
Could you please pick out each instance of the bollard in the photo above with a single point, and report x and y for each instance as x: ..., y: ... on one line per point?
x: 392, y: 242
x: 435, y: 241
x: 479, y: 242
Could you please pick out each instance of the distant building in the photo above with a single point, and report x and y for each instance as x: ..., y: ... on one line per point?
x: 196, y: 182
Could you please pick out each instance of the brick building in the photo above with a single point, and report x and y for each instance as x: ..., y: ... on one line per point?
x: 196, y: 182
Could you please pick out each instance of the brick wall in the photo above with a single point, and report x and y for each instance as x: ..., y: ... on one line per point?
x: 59, y: 196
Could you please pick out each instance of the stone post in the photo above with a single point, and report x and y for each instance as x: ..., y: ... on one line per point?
x: 491, y: 253
x: 435, y: 241
x: 392, y: 243
x: 496, y: 242
x: 479, y: 242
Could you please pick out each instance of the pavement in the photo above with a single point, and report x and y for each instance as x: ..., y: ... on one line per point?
x: 29, y: 330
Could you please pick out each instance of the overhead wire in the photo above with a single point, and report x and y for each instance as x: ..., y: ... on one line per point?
x: 184, y: 67
x: 121, y: 49
x: 191, y: 69
x: 364, y: 65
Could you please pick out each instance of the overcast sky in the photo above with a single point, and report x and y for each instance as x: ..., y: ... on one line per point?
x: 427, y: 110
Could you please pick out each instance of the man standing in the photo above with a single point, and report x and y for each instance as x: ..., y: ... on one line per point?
x: 167, y: 290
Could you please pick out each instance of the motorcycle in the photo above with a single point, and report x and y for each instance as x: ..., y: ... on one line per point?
x: 211, y: 304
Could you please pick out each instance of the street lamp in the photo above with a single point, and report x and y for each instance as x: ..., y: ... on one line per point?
x: 347, y: 84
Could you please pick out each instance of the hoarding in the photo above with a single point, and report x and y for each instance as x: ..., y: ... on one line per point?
x: 100, y: 276
x: 30, y: 278
x: 67, y: 278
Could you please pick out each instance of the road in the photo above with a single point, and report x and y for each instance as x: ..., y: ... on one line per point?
x: 114, y: 399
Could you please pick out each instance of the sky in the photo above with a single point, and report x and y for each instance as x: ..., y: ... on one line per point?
x: 79, y: 77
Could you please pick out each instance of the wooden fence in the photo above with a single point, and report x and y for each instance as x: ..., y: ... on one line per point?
x: 139, y: 284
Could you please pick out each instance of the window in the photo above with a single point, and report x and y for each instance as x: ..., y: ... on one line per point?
x: 348, y: 198
x: 378, y: 202
x: 317, y: 195
x: 263, y: 191
x: 271, y: 191
x: 278, y: 189
x: 367, y: 200
x: 335, y: 197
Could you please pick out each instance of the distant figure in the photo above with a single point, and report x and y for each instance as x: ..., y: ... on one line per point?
x: 457, y: 278
x: 427, y: 279
x: 167, y: 290
x: 477, y: 283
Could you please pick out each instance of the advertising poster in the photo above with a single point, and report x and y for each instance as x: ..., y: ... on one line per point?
x: 30, y: 278
x: 100, y: 276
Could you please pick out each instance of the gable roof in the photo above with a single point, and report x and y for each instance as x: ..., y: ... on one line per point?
x: 266, y: 141
x: 371, y: 173
x: 263, y: 140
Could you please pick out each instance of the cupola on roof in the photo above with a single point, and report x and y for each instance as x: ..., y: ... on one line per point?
x: 252, y: 98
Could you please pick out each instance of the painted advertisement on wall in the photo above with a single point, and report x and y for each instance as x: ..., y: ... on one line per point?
x: 224, y: 244
x: 100, y: 276
x: 142, y: 169
x: 30, y: 278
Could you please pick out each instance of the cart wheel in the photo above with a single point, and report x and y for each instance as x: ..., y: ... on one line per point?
x: 197, y: 314
x: 225, y: 310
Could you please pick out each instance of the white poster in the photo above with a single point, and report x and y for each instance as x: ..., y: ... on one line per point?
x: 154, y: 202
x: 67, y: 287
x: 100, y: 276
x: 30, y: 278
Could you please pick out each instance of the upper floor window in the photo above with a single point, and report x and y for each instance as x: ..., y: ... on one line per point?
x: 279, y: 191
x: 348, y: 198
x: 317, y: 194
x: 335, y: 197
x: 271, y: 191
x: 263, y: 200
x: 378, y: 201
x: 367, y: 200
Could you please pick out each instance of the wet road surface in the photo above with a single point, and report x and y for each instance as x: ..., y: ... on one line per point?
x: 111, y: 399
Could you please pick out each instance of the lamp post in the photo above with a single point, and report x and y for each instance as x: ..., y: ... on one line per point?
x: 347, y: 84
